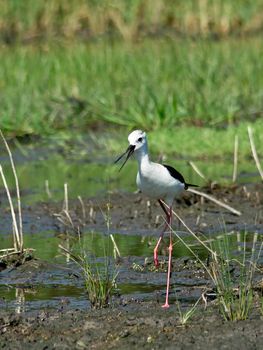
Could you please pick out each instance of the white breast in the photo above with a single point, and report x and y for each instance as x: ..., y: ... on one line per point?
x: 154, y: 180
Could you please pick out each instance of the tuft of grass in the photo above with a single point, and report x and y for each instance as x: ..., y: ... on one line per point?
x: 185, y: 316
x: 99, y: 279
x: 235, y: 293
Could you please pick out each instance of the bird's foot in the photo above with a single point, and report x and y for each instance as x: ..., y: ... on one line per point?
x: 165, y: 306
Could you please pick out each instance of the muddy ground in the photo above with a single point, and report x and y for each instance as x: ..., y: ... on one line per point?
x: 134, y: 326
x: 131, y: 323
x: 133, y: 213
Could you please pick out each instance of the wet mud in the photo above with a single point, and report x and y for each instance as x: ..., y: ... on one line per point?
x: 137, y: 325
x: 135, y: 319
x: 133, y: 213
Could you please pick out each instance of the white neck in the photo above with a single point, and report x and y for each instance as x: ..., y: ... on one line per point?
x: 142, y: 155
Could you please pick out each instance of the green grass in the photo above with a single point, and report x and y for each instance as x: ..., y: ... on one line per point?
x: 99, y: 277
x: 184, y: 89
x: 231, y: 272
x: 151, y: 85
x: 186, y: 315
x: 234, y: 278
x: 199, y: 143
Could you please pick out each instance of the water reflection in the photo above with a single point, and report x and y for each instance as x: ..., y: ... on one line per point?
x: 20, y: 300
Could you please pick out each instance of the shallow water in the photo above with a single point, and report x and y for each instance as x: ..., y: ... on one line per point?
x: 54, y: 282
x: 43, y: 169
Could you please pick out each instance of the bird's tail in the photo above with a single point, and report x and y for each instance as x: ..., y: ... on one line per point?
x: 189, y: 185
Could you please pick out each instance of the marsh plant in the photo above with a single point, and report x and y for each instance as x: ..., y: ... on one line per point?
x: 99, y: 276
x: 233, y: 277
x: 186, y: 315
x: 17, y: 253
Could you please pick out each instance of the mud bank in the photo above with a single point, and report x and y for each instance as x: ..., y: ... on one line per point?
x: 133, y: 326
x: 134, y: 213
x: 133, y: 321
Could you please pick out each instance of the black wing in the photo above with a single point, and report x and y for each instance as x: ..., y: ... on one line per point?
x: 174, y: 173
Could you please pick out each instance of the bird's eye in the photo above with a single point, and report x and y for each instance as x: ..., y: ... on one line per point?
x: 139, y: 139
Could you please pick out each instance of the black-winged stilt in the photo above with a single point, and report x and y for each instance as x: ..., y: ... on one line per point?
x: 158, y: 181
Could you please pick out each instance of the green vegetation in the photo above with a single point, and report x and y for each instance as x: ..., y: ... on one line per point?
x: 186, y: 315
x: 93, y: 63
x: 234, y: 278
x: 203, y: 143
x: 99, y: 279
x: 232, y: 275
x: 155, y: 85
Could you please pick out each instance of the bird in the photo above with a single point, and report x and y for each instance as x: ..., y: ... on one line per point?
x: 158, y: 181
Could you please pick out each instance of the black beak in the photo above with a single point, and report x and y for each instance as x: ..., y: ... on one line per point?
x: 129, y: 151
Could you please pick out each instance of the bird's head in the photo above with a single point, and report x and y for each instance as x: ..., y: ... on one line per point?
x: 137, y: 140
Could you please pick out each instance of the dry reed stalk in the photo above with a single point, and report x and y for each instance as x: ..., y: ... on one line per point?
x: 203, y: 17
x: 197, y: 170
x: 66, y: 211
x: 7, y: 250
x: 234, y: 177
x: 12, y: 251
x: 116, y: 249
x: 254, y: 151
x: 69, y: 218
x: 82, y: 208
x: 216, y: 201
x: 16, y: 236
x: 66, y: 250
x: 7, y: 255
x: 65, y: 197
x: 20, y: 232
x: 47, y: 189
x: 64, y: 216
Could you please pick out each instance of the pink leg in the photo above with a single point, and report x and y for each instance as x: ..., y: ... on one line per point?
x: 166, y: 305
x: 155, y: 251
